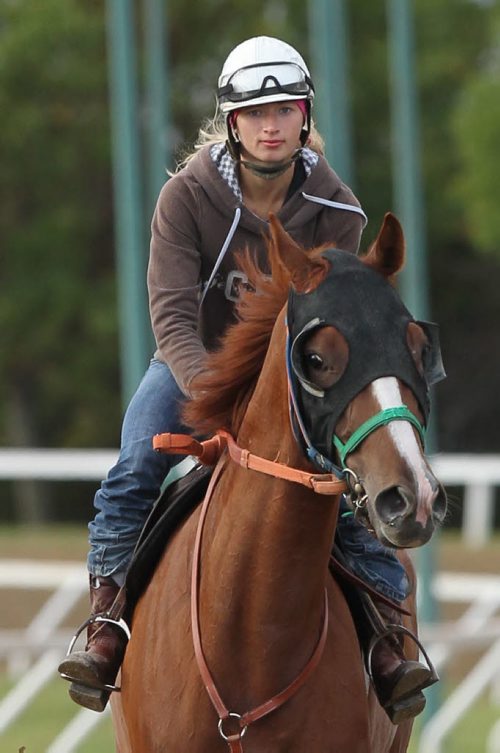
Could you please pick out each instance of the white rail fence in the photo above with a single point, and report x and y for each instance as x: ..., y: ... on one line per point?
x: 478, y: 627
x: 477, y: 474
x: 33, y: 653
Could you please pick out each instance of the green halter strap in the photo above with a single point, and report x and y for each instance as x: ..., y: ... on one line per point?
x: 401, y: 413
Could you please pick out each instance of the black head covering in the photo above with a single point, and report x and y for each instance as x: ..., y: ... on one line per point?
x: 369, y: 313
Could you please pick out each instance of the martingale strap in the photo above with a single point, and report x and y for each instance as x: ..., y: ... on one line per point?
x: 400, y: 413
x: 240, y: 721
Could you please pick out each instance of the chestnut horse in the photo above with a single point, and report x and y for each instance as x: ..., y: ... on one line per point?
x: 249, y: 598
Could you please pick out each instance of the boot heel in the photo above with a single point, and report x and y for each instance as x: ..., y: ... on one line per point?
x: 94, y: 699
x: 408, y: 708
x: 408, y: 679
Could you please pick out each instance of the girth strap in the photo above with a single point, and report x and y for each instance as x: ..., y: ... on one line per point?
x: 243, y: 720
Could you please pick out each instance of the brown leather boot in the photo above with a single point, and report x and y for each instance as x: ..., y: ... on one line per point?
x: 398, y: 682
x: 93, y: 672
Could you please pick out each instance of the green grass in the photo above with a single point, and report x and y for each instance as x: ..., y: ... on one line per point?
x: 45, y: 718
x: 471, y: 733
x: 52, y: 709
x: 55, y: 542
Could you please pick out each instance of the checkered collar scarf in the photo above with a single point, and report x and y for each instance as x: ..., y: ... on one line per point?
x: 227, y: 166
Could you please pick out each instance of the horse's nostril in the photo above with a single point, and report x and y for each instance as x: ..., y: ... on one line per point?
x: 390, y: 504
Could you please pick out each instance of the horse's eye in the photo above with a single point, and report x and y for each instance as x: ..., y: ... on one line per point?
x: 314, y: 361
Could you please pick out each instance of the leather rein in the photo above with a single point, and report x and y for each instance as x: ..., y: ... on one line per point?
x: 210, y: 452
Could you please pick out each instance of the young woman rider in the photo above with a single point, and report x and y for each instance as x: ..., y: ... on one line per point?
x: 260, y: 155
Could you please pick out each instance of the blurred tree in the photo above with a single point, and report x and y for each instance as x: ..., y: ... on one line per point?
x: 451, y: 40
x: 477, y: 128
x: 450, y: 36
x: 59, y: 371
x: 57, y: 297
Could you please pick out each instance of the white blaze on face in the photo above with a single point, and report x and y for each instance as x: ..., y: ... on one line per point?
x: 388, y: 395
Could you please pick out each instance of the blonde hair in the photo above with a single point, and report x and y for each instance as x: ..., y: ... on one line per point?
x: 214, y: 131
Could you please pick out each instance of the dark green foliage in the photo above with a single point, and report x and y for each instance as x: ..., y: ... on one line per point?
x: 57, y: 301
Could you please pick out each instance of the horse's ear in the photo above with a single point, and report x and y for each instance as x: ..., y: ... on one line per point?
x: 305, y: 271
x: 387, y: 253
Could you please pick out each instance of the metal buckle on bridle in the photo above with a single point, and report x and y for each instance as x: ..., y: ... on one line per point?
x: 357, y: 498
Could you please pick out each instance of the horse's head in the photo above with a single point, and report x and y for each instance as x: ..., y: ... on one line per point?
x: 360, y: 368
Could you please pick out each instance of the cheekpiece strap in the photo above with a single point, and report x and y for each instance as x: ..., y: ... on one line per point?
x: 400, y: 413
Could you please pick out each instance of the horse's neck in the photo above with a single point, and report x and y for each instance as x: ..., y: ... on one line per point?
x: 267, y: 541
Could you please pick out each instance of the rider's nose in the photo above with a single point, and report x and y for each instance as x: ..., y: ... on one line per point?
x: 271, y: 124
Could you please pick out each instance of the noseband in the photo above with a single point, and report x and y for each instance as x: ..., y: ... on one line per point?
x: 400, y: 413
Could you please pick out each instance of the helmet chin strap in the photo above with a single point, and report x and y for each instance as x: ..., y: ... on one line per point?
x: 270, y: 170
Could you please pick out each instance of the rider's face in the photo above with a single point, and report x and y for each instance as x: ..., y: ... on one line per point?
x: 269, y: 132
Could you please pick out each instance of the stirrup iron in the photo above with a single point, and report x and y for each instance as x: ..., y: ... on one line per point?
x: 102, y: 617
x: 390, y: 630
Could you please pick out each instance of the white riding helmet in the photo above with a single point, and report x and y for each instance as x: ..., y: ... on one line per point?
x: 261, y: 70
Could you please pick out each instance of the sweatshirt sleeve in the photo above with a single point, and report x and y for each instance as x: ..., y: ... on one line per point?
x: 174, y: 282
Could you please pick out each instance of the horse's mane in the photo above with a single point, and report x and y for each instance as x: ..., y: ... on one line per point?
x: 222, y: 391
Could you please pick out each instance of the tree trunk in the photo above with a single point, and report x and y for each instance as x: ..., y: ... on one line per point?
x: 31, y: 499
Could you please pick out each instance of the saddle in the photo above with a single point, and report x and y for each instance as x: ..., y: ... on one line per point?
x: 173, y: 506
x: 176, y: 503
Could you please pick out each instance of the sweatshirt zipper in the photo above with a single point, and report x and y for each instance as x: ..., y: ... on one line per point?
x: 222, y: 252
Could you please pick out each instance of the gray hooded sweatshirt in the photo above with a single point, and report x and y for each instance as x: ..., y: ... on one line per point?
x: 199, y: 223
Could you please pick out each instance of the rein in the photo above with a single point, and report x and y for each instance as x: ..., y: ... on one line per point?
x: 209, y: 452
x: 242, y: 721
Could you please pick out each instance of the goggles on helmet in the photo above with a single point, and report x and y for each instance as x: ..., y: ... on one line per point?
x: 294, y: 82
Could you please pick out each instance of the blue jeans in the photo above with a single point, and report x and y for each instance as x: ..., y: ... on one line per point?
x: 132, y: 486
x: 126, y: 497
x: 370, y: 560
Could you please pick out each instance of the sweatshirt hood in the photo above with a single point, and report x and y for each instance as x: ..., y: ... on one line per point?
x: 321, y: 183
